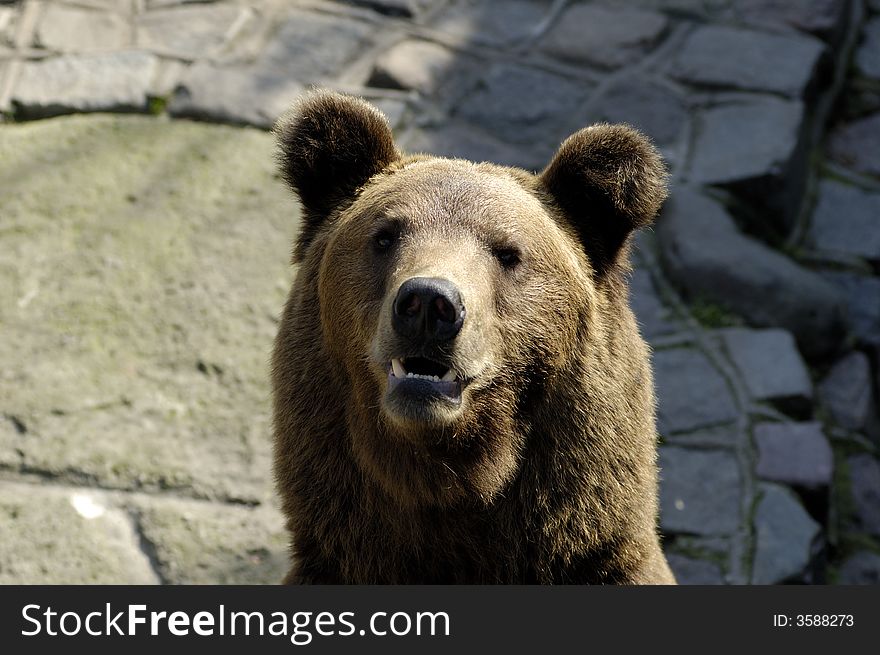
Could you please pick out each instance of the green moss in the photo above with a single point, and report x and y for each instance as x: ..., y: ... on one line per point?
x: 157, y: 105
x: 713, y: 315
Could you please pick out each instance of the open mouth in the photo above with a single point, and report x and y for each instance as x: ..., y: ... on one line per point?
x: 422, y: 376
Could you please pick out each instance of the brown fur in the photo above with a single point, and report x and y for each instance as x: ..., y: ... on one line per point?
x: 547, y: 472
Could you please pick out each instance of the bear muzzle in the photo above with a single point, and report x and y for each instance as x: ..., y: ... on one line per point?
x: 427, y: 316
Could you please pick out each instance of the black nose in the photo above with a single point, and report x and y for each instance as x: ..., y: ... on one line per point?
x: 428, y: 309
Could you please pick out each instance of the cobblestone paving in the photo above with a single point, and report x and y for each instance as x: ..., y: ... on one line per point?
x: 144, y: 258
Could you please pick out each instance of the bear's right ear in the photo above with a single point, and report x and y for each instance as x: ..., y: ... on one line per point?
x: 329, y: 145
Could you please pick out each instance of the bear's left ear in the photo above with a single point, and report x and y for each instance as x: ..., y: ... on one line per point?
x: 609, y: 180
x: 329, y: 145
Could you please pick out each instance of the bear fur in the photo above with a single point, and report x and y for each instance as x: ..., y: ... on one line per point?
x: 537, y: 464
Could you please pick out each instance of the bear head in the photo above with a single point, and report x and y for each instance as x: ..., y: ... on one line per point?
x: 438, y: 299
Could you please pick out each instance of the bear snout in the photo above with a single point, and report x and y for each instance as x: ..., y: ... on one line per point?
x: 428, y: 310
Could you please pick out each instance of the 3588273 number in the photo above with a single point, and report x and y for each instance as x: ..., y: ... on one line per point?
x: 824, y: 620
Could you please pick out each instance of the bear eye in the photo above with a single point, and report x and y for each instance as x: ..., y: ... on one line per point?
x: 384, y: 239
x: 507, y: 257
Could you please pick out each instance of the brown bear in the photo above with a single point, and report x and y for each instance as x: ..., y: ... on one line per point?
x: 461, y: 394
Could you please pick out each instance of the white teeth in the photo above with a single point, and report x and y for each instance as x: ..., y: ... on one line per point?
x: 397, y: 367
x: 399, y: 371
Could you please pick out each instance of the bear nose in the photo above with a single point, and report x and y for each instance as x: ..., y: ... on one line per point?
x: 429, y: 309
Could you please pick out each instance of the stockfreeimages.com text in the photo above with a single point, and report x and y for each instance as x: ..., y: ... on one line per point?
x: 299, y: 627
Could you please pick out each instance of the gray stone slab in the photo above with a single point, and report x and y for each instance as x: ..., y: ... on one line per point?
x: 399, y: 8
x: 796, y: 454
x: 868, y: 53
x: 117, y: 81
x: 654, y: 108
x: 724, y: 436
x: 856, y: 145
x: 862, y: 568
x: 203, y: 543
x: 864, y: 478
x: 496, y: 24
x: 846, y: 221
x: 12, y: 435
x: 824, y: 18
x: 704, y: 254
x: 862, y: 294
x: 691, y: 392
x: 241, y: 96
x: 71, y: 29
x: 706, y: 59
x: 655, y: 319
x: 771, y: 367
x: 784, y: 537
x: 456, y: 139
x: 847, y: 393
x: 7, y: 22
x: 602, y: 36
x: 678, y: 8
x: 191, y: 31
x: 164, y: 4
x: 524, y: 105
x: 691, y: 571
x: 315, y: 47
x: 145, y: 263
x: 755, y: 149
x: 67, y: 536
x: 422, y: 66
x: 699, y: 491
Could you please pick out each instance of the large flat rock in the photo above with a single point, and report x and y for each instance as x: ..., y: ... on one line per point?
x: 496, y: 24
x: 190, y: 32
x: 704, y: 254
x: 654, y: 108
x: 314, y: 47
x: 692, y: 394
x: 112, y: 81
x: 755, y: 148
x: 846, y: 222
x: 796, y: 454
x: 204, y: 543
x: 771, y: 367
x: 422, y: 66
x: 75, y: 29
x: 143, y: 268
x: 856, y: 145
x: 603, y: 36
x: 67, y: 536
x: 826, y: 19
x: 686, y: 504
x: 243, y: 96
x: 707, y: 59
x: 784, y: 537
x: 524, y: 105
